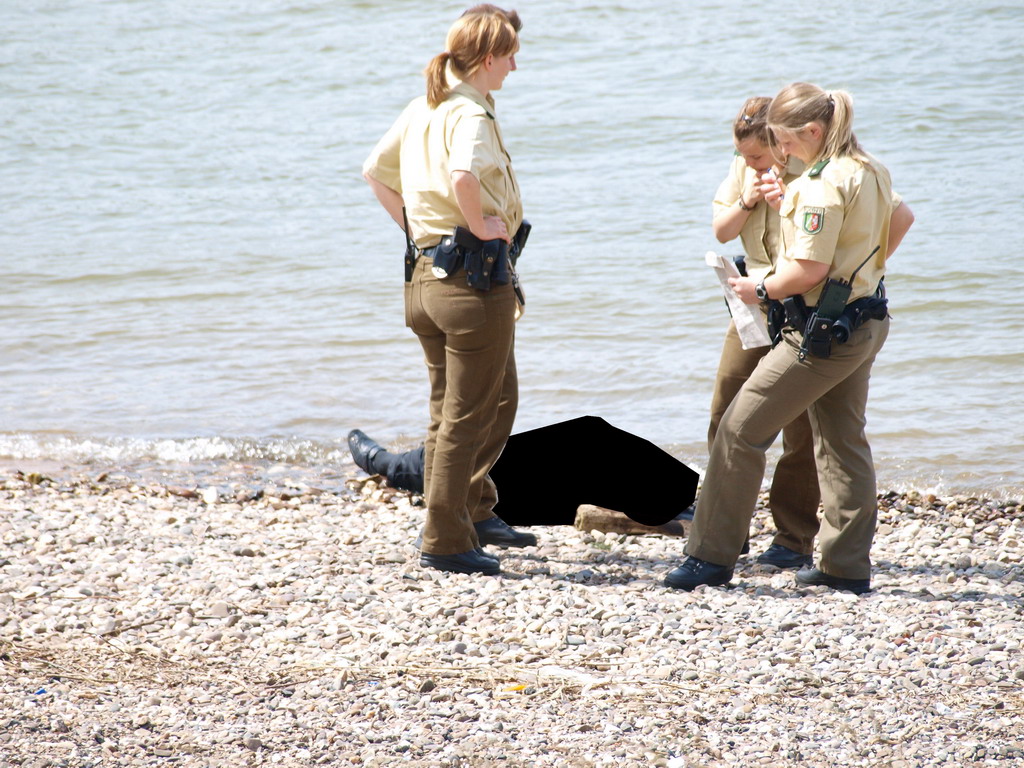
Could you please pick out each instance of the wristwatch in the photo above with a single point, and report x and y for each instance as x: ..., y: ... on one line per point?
x: 760, y: 291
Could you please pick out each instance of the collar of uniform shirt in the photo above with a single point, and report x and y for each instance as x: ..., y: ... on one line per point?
x: 467, y: 90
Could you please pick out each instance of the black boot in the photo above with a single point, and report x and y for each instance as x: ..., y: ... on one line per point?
x: 695, y: 572
x: 464, y: 562
x: 496, y: 532
x: 812, y: 577
x: 418, y: 543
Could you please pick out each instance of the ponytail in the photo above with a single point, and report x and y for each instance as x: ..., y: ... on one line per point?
x: 840, y: 140
x: 437, y: 80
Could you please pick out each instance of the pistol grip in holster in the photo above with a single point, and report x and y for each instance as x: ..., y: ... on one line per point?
x: 519, y: 242
x: 795, y: 312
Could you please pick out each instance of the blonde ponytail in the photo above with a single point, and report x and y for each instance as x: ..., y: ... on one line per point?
x: 437, y: 80
x: 840, y: 140
x: 798, y: 105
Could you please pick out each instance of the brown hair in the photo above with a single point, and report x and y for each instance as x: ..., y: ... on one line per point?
x: 800, y: 104
x: 752, y: 121
x: 479, y: 32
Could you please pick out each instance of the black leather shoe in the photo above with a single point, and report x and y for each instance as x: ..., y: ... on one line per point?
x: 745, y: 549
x: 784, y: 557
x: 812, y: 577
x: 694, y: 572
x: 464, y: 562
x: 363, y: 451
x: 418, y: 543
x: 496, y: 532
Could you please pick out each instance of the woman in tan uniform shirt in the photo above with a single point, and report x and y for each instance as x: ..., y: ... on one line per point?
x: 444, y: 162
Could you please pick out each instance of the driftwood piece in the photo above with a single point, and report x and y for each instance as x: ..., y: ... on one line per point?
x: 591, y: 518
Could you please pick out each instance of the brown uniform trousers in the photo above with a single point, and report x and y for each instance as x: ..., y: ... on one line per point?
x: 794, y: 496
x: 467, y: 338
x: 834, y: 392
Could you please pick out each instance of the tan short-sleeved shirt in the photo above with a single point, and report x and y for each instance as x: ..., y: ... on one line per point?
x: 760, y: 234
x: 836, y: 214
x: 418, y: 154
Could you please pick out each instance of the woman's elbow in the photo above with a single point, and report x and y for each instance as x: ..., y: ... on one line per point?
x: 904, y: 217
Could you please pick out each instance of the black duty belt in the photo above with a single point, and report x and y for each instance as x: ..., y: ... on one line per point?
x: 484, y: 261
x: 792, y: 312
x: 466, y: 239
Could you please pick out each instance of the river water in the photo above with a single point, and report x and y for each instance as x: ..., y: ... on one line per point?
x: 195, y: 271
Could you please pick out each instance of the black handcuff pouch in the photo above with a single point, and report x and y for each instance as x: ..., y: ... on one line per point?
x: 447, y: 257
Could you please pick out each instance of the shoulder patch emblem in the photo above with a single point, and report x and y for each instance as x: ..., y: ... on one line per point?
x: 817, y: 168
x: 813, y: 220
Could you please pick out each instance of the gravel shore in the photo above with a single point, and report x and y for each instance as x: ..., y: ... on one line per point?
x: 255, y: 622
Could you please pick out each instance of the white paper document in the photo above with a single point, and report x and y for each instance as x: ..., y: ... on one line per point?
x: 749, y: 318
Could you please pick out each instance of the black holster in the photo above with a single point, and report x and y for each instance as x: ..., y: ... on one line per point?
x: 790, y: 312
x: 776, y: 320
x: 519, y: 242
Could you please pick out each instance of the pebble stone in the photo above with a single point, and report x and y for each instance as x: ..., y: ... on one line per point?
x: 253, y: 617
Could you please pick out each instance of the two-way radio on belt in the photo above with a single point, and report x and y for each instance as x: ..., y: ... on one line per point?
x: 818, y: 333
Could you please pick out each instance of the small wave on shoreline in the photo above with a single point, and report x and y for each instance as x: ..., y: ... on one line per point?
x: 196, y: 461
x: 244, y: 461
